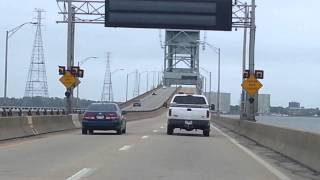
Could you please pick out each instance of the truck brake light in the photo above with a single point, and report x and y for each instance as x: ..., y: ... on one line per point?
x: 170, y: 112
x: 208, y: 114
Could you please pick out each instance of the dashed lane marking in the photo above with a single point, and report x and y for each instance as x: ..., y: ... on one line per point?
x: 155, y: 131
x: 273, y: 170
x: 144, y: 137
x: 80, y: 174
x: 161, y: 127
x: 125, y: 148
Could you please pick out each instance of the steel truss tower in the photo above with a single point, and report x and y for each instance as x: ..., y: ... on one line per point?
x: 181, y: 61
x: 107, y: 95
x: 37, y: 79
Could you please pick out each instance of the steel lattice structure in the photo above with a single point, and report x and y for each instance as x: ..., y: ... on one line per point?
x: 93, y: 12
x: 37, y: 79
x: 107, y: 95
x: 86, y: 11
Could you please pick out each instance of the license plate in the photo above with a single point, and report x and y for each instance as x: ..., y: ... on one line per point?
x: 100, y: 117
x: 188, y: 122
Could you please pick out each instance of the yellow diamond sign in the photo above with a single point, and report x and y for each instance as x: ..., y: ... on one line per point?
x: 251, y: 85
x: 68, y: 80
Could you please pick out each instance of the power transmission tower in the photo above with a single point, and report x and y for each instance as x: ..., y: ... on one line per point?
x: 107, y: 95
x: 136, y: 85
x: 37, y: 79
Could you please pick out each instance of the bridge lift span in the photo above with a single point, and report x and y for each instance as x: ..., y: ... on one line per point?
x: 181, y: 58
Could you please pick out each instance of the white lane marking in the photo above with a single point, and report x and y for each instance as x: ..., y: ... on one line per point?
x: 83, y: 172
x: 161, y: 127
x: 155, y: 131
x: 144, y: 137
x: 125, y: 148
x: 273, y: 170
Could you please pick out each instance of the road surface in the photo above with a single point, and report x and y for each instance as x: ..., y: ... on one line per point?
x: 151, y: 102
x: 144, y: 153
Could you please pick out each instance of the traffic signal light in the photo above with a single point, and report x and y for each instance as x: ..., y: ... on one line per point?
x: 75, y: 71
x: 259, y: 74
x: 246, y: 74
x: 80, y: 73
x: 62, y: 70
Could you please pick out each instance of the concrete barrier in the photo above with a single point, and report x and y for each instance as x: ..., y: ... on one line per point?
x: 301, y: 146
x: 16, y: 127
x: 46, y: 124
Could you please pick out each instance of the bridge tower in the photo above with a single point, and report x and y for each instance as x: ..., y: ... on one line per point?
x: 107, y: 95
x: 181, y: 58
x: 37, y: 79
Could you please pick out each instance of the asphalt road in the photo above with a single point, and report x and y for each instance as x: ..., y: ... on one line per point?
x: 152, y: 102
x: 144, y: 153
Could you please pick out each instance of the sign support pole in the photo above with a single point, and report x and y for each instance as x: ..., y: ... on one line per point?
x: 70, y: 52
x: 251, y: 105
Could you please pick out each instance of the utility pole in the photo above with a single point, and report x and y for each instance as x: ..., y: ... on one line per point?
x: 70, y: 51
x: 251, y: 104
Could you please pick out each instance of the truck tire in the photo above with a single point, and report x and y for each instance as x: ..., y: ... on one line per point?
x: 170, y: 130
x: 206, y: 132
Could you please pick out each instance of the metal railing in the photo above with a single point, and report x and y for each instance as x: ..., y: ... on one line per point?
x: 10, y: 111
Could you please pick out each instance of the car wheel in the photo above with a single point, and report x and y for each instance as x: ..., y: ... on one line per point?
x: 170, y: 130
x: 119, y: 131
x: 206, y: 132
x: 84, y: 131
x: 90, y: 131
x: 124, y: 131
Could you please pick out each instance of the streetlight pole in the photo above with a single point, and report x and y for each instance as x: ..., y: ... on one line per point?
x: 6, y: 68
x: 210, y: 82
x: 8, y: 35
x: 140, y: 74
x: 80, y: 63
x: 110, y: 81
x: 127, y: 84
x: 218, y: 95
x: 218, y: 51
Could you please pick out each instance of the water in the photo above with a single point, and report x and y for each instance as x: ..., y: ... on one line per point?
x: 309, y: 124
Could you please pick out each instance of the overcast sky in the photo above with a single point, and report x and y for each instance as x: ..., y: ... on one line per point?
x: 287, y: 48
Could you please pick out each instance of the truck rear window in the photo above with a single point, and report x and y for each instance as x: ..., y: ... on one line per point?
x: 189, y: 100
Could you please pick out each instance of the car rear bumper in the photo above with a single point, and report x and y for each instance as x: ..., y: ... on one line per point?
x: 101, y: 125
x: 189, y: 124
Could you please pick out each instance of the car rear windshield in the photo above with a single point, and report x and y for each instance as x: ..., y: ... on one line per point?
x: 102, y: 107
x: 189, y: 100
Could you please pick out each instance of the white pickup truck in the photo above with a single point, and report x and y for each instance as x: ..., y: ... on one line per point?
x: 189, y: 112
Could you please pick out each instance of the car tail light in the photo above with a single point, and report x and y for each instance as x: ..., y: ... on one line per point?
x: 89, y: 115
x: 111, y: 116
x: 208, y: 114
x: 170, y: 112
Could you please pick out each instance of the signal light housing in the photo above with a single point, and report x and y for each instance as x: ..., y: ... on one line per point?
x: 62, y: 70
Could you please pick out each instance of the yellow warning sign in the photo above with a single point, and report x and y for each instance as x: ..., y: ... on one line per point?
x: 68, y: 80
x: 251, y: 85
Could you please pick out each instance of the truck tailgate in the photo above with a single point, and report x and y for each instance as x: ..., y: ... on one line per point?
x: 189, y: 113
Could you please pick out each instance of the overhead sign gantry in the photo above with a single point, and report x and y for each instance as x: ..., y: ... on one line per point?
x: 173, y: 14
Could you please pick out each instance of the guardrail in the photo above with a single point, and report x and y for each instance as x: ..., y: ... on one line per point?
x: 35, y: 111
